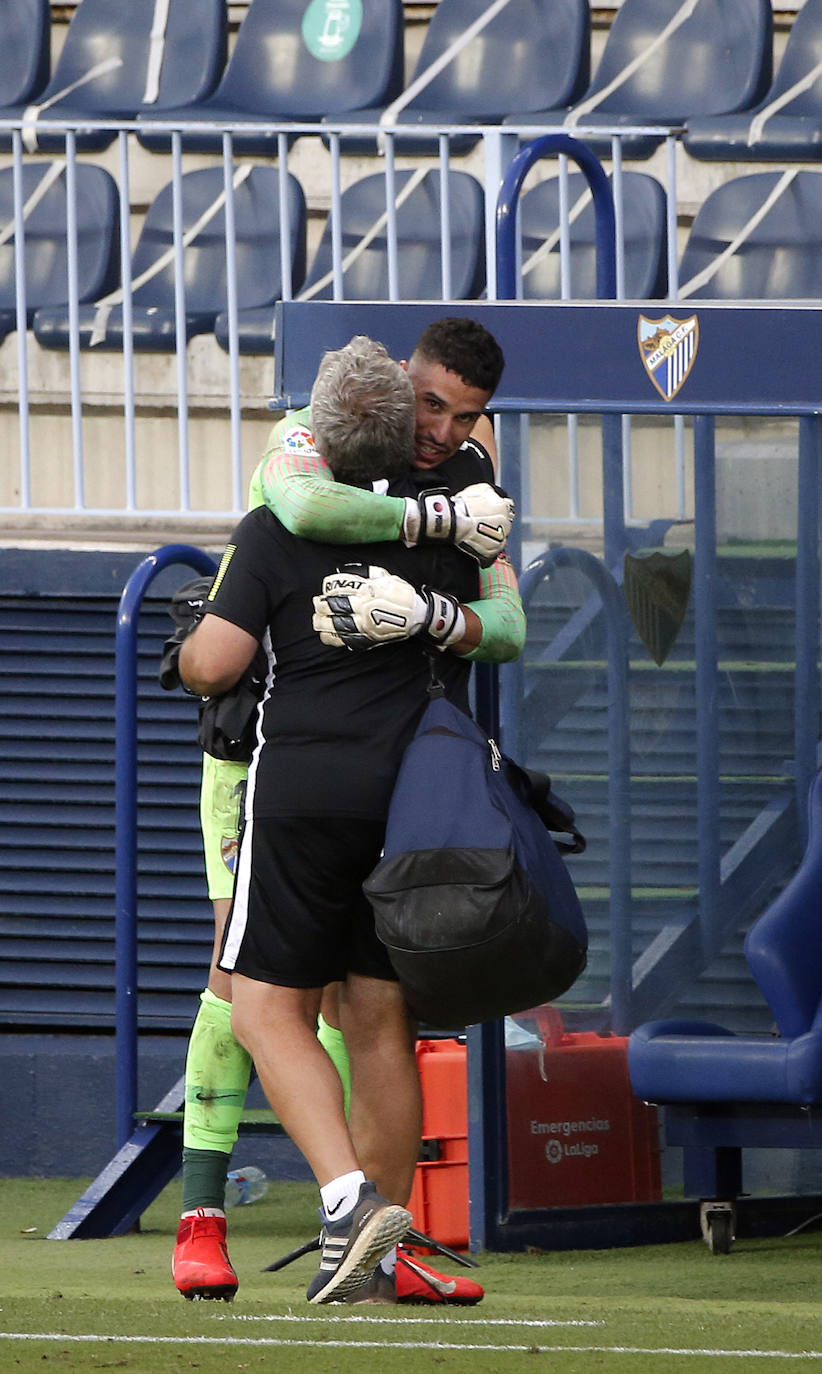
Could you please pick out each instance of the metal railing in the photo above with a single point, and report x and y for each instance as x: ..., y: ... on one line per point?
x: 73, y: 379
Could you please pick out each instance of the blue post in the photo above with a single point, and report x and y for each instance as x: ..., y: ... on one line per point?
x: 807, y: 599
x: 507, y: 203
x: 125, y: 811
x: 707, y: 680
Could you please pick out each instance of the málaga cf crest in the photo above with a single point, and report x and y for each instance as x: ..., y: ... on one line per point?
x: 667, y: 348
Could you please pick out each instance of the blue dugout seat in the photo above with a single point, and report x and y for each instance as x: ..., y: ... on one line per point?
x: 257, y: 259
x: 45, y: 240
x: 644, y: 235
x: 787, y: 125
x: 722, y: 1091
x: 775, y: 255
x: 25, y: 61
x: 365, y: 248
x: 534, y: 55
x: 111, y: 66
x: 294, y: 63
x: 664, y: 63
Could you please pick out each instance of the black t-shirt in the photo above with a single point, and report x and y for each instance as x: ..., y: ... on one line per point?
x: 335, y: 723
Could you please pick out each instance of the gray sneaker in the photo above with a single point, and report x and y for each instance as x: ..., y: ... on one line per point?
x: 353, y: 1246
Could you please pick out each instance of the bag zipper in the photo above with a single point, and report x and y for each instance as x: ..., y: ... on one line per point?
x: 496, y: 756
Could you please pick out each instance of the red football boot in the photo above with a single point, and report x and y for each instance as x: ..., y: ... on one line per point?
x: 200, y: 1265
x: 419, y: 1283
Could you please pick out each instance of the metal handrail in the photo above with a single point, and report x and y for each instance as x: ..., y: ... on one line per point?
x: 125, y: 811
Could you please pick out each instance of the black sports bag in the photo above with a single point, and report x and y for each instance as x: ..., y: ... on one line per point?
x: 472, y: 898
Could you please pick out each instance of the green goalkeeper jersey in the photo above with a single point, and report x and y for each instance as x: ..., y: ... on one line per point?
x: 298, y: 486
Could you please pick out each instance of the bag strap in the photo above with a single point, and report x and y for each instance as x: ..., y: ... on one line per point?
x: 556, y: 814
x: 435, y: 687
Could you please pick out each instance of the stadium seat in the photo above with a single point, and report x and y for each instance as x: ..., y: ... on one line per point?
x: 787, y: 125
x: 25, y: 59
x: 684, y: 1061
x: 664, y: 63
x: 257, y: 258
x: 534, y: 55
x: 722, y: 1092
x: 365, y: 249
x: 776, y: 254
x: 45, y: 242
x: 110, y: 66
x: 644, y: 233
x: 293, y: 64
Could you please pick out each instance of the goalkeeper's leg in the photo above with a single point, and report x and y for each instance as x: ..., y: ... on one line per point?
x: 218, y: 1069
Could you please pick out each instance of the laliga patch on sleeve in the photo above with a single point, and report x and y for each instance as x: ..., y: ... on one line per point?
x: 298, y: 440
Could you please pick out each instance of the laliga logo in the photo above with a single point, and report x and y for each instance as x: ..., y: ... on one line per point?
x: 553, y: 1152
x: 668, y: 350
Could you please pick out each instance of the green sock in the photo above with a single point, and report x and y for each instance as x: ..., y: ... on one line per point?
x: 204, y: 1174
x: 332, y: 1042
x: 218, y: 1070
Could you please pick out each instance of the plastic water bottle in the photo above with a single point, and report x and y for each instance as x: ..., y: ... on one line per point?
x: 244, y: 1186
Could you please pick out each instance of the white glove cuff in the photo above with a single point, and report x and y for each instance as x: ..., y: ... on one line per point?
x: 458, y: 631
x: 410, y: 534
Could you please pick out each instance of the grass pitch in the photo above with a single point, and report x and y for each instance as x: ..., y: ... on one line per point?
x: 110, y: 1304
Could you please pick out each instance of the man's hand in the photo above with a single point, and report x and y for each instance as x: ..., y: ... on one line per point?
x: 478, y: 520
x: 186, y: 610
x: 362, y: 606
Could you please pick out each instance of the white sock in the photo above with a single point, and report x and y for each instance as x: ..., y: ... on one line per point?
x: 203, y: 1212
x: 341, y: 1194
x: 388, y: 1263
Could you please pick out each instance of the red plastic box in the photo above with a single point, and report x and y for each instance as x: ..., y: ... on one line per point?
x: 439, y: 1198
x: 576, y: 1133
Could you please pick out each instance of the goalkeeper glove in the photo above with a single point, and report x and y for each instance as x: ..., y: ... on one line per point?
x: 361, y: 607
x: 186, y: 610
x: 478, y: 520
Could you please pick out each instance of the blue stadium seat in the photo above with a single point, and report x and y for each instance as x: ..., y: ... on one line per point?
x: 45, y: 243
x: 794, y: 131
x: 184, y: 65
x: 365, y: 249
x: 257, y: 258
x: 644, y: 233
x: 718, y: 59
x: 780, y: 257
x: 534, y: 55
x: 25, y: 61
x: 293, y: 64
x: 697, y: 1062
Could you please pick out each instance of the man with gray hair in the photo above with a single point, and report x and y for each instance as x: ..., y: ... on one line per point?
x: 332, y: 728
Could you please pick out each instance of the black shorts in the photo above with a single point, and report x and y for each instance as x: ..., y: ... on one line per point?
x: 299, y: 916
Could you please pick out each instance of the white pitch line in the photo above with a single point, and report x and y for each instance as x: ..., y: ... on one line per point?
x: 269, y: 1341
x: 405, y: 1321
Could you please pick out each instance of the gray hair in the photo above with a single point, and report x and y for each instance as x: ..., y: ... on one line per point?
x: 363, y: 412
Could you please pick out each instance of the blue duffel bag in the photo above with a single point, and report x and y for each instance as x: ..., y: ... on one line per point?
x: 472, y: 898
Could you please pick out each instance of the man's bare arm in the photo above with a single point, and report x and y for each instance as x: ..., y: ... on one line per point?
x: 214, y: 656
